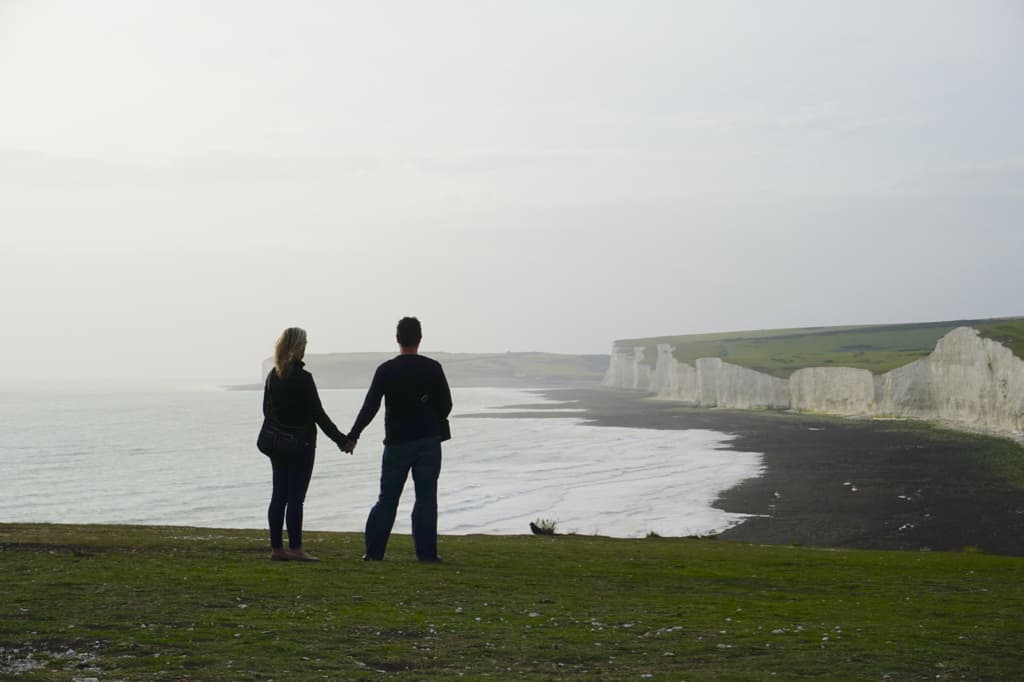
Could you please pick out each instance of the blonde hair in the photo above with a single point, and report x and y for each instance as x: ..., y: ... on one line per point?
x: 291, y: 346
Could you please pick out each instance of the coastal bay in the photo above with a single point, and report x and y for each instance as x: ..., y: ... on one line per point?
x: 842, y: 482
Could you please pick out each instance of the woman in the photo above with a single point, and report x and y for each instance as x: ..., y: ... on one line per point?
x: 291, y: 397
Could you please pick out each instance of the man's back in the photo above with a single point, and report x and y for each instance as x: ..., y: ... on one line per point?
x: 416, y: 396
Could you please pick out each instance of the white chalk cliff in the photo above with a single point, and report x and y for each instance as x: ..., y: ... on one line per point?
x: 967, y: 381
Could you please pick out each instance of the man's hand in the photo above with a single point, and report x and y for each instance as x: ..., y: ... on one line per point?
x: 348, y: 446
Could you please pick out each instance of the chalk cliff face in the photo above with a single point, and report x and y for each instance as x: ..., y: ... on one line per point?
x: 723, y: 384
x: 967, y: 381
x: 836, y: 390
x: 674, y: 380
x: 627, y: 369
x: 712, y: 383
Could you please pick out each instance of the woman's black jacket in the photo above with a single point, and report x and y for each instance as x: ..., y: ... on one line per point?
x: 293, y: 401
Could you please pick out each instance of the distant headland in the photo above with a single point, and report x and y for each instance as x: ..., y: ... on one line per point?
x: 464, y: 370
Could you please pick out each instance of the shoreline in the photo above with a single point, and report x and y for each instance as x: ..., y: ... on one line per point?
x: 837, y: 482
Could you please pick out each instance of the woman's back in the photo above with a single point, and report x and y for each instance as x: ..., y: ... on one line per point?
x: 291, y: 397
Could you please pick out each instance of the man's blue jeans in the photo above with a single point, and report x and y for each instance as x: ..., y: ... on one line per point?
x: 423, y: 458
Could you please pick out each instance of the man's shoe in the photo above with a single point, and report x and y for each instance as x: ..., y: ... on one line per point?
x: 431, y: 560
x: 367, y: 557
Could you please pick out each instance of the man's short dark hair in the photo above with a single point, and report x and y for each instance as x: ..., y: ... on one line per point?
x: 409, y: 332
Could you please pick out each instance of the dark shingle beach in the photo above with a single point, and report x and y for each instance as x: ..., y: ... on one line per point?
x: 835, y: 482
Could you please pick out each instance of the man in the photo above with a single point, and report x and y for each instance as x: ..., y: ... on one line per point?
x: 417, y: 403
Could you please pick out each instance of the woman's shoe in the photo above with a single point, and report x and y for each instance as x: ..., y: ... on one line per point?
x: 279, y: 555
x: 302, y: 555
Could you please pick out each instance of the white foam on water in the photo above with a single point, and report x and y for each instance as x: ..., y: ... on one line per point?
x: 188, y: 458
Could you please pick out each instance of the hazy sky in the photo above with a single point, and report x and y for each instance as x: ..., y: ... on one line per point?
x: 181, y: 180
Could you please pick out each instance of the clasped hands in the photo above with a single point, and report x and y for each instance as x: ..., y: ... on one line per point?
x: 348, y: 446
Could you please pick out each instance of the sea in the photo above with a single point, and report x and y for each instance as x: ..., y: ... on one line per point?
x: 186, y: 456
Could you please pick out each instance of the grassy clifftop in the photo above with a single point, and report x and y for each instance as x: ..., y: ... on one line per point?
x: 780, y: 352
x: 137, y: 603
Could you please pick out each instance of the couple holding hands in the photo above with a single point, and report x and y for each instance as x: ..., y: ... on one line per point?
x: 417, y: 404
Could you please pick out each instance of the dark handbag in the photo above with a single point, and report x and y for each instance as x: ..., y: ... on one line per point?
x: 277, y: 440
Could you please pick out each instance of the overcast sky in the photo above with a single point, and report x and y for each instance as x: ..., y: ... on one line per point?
x: 181, y: 180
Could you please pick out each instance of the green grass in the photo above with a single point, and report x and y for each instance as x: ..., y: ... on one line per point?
x: 138, y: 603
x: 780, y: 352
x: 1010, y: 333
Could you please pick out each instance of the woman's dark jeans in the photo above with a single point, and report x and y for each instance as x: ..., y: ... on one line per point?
x: 291, y: 480
x: 423, y: 458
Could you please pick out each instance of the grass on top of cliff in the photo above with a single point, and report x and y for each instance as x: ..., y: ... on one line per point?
x: 780, y: 352
x: 144, y: 603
